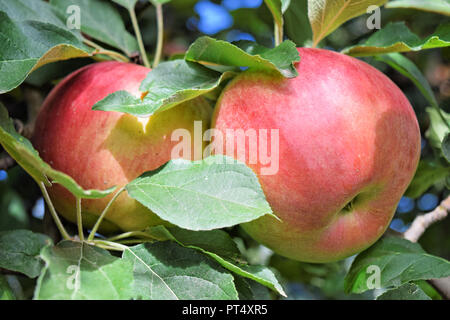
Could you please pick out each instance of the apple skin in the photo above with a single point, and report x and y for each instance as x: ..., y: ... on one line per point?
x: 347, y: 134
x: 101, y: 149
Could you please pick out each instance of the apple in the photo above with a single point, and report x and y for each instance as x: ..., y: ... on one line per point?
x: 101, y: 149
x: 348, y: 146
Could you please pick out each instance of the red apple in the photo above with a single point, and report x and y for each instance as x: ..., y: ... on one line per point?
x: 103, y: 149
x: 349, y: 145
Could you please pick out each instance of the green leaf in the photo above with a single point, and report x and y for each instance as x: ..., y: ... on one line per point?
x: 13, y: 214
x: 101, y: 21
x: 407, y: 68
x: 219, y: 246
x: 399, y: 261
x: 78, y: 271
x: 21, y: 150
x: 32, y: 10
x: 128, y: 4
x: 436, y: 6
x: 165, y: 270
x: 297, y: 25
x: 446, y: 147
x: 177, y: 81
x: 19, y: 251
x: 6, y: 292
x: 428, y: 173
x: 207, y: 194
x: 396, y: 37
x: 168, y: 85
x: 209, y: 51
x: 251, y: 290
x: 28, y: 45
x: 275, y: 8
x: 439, y: 126
x: 408, y: 291
x: 326, y: 16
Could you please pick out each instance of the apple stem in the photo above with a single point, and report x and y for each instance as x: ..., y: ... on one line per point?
x: 131, y: 234
x: 160, y: 41
x: 100, y: 219
x: 52, y: 210
x: 100, y: 50
x: 79, y: 219
x: 278, y: 32
x: 109, y: 245
x: 137, y: 32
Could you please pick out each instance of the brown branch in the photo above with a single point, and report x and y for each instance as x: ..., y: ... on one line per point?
x: 417, y: 229
x: 6, y: 162
x: 422, y: 222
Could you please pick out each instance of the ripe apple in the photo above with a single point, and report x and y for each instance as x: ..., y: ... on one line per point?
x: 349, y: 145
x: 103, y: 149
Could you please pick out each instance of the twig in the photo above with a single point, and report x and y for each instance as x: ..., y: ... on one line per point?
x: 137, y: 32
x: 422, y: 222
x: 100, y: 50
x: 50, y: 206
x: 103, y: 214
x: 6, y: 162
x: 160, y: 41
x: 418, y: 227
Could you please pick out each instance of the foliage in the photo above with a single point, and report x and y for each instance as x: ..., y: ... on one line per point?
x: 202, y: 253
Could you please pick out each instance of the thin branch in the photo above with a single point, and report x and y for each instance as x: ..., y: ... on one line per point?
x: 137, y: 32
x: 417, y: 229
x: 50, y: 206
x: 6, y: 162
x: 160, y: 40
x: 100, y: 50
x: 79, y: 219
x: 422, y: 222
x: 103, y: 214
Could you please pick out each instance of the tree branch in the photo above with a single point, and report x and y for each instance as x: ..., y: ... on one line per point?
x: 417, y: 229
x: 422, y: 222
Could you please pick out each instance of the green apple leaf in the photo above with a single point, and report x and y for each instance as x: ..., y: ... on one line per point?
x: 398, y: 261
x: 28, y: 45
x: 19, y: 251
x: 251, y: 290
x: 428, y: 174
x: 219, y: 246
x: 177, y: 81
x: 408, y: 291
x: 168, y: 271
x: 212, y: 52
x: 446, y: 147
x: 21, y: 150
x: 78, y: 271
x: 13, y: 213
x: 101, y: 21
x: 128, y: 4
x: 326, y: 16
x: 439, y: 126
x: 436, y: 6
x: 396, y: 37
x: 168, y: 85
x: 296, y: 22
x: 407, y: 68
x: 275, y: 8
x: 32, y: 10
x: 6, y: 292
x: 207, y: 194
